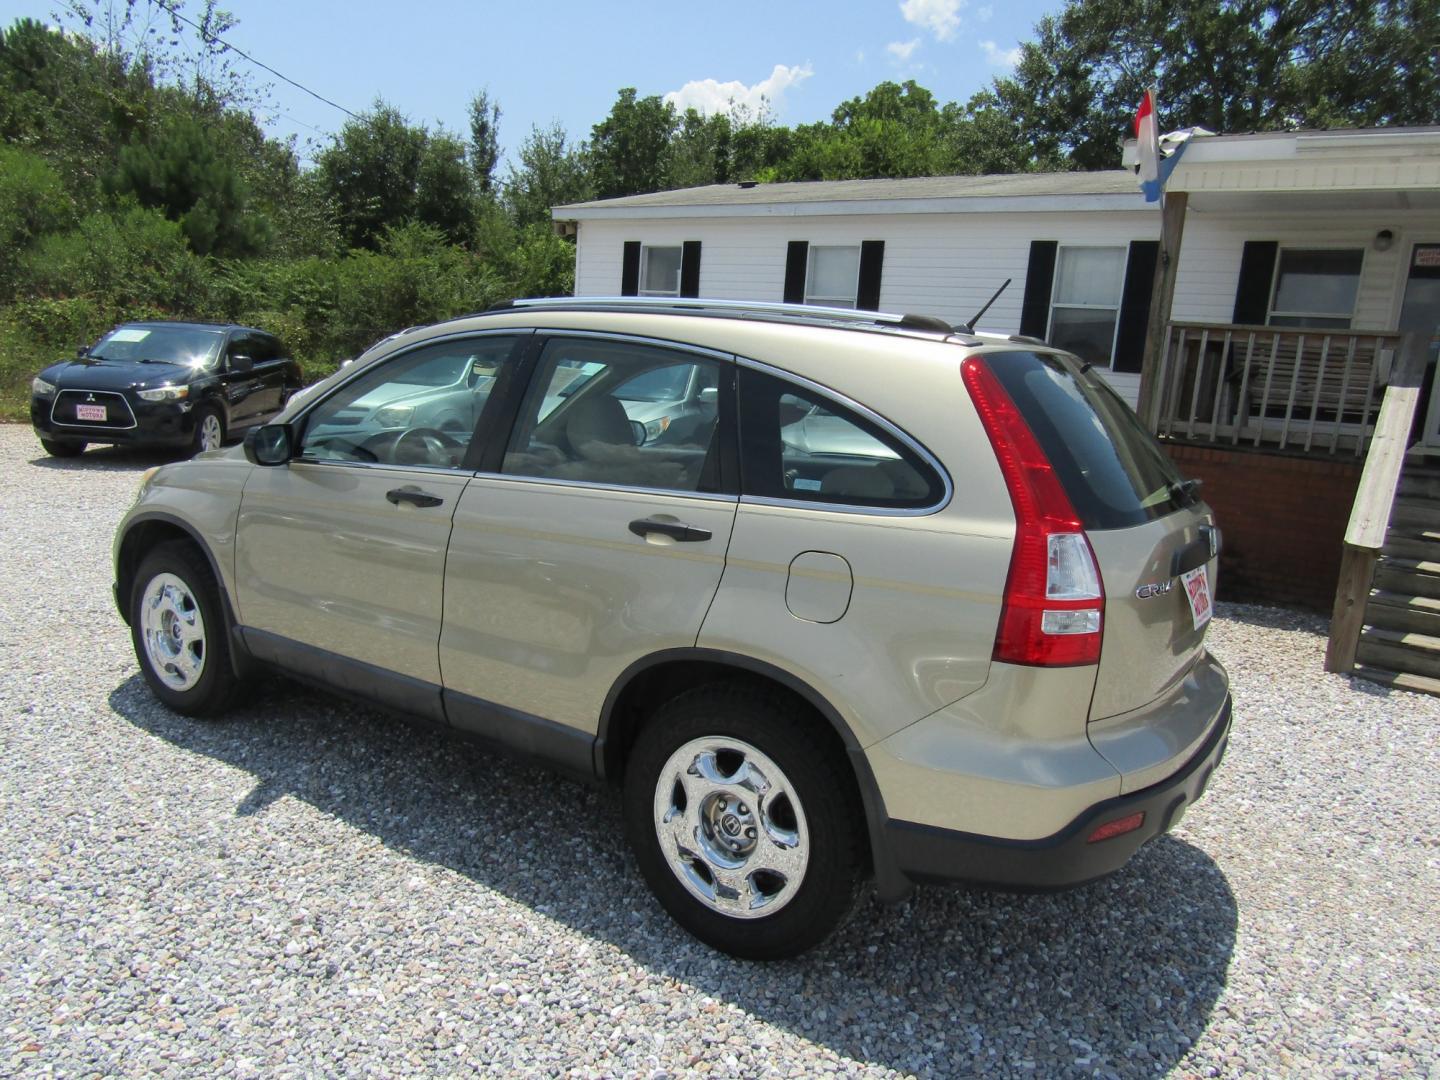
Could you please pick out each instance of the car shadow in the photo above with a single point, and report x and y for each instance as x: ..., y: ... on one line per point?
x: 1117, y: 977
x: 112, y: 459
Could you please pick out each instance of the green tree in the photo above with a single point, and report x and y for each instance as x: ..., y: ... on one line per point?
x: 628, y: 148
x: 550, y: 173
x: 1228, y: 65
x: 484, y: 141
x: 182, y: 174
x: 33, y: 204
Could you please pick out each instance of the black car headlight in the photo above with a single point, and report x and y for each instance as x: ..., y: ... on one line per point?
x: 40, y: 388
x: 165, y: 393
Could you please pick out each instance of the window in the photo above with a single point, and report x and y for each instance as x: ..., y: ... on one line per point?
x: 1316, y: 288
x: 418, y: 408
x: 1085, y: 305
x: 618, y: 413
x: 660, y: 271
x: 832, y: 277
x: 798, y: 445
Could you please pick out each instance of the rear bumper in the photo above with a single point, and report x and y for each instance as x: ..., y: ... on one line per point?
x: 1066, y: 858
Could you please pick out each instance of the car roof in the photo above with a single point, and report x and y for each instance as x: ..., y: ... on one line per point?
x: 194, y: 324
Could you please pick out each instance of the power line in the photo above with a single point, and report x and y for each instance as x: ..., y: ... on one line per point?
x: 209, y: 38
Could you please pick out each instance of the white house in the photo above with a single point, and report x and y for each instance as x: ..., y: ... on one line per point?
x: 1332, y: 229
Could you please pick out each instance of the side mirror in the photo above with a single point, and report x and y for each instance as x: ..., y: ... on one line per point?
x: 709, y: 395
x: 270, y: 444
x: 241, y: 362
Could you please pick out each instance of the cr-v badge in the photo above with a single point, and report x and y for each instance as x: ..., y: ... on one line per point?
x: 1154, y: 588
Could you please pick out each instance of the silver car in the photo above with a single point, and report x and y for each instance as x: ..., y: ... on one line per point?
x: 837, y: 600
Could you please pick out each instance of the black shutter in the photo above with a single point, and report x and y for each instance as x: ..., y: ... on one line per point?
x: 872, y: 257
x: 1039, y: 279
x: 796, y: 257
x: 1257, y: 274
x: 690, y: 268
x: 1135, y: 304
x: 630, y: 269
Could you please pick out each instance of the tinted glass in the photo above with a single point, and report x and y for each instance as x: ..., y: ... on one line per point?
x: 1114, y: 472
x: 1317, y: 283
x: 799, y: 445
x: 418, y: 408
x: 187, y: 345
x: 618, y: 413
x: 1087, y: 332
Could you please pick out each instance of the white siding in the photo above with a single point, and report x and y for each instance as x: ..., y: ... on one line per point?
x: 1211, y: 249
x: 935, y: 264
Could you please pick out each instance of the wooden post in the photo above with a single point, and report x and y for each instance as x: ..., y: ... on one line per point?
x: 1162, y: 298
x: 1352, y: 593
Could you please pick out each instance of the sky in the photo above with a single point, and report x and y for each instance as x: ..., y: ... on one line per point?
x: 547, y: 62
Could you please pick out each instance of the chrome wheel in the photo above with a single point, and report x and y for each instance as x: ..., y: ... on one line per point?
x: 173, y: 631
x: 212, y: 432
x: 731, y: 827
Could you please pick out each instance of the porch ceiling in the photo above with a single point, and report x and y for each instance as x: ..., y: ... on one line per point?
x: 1271, y: 201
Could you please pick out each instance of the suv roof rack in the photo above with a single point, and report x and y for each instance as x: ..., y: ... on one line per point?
x: 764, y: 309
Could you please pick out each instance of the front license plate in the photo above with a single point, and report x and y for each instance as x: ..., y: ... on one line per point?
x: 90, y: 412
x: 1197, y: 591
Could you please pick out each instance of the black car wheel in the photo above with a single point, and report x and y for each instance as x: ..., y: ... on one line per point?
x: 180, y: 632
x: 209, y: 430
x: 62, y: 449
x: 743, y: 820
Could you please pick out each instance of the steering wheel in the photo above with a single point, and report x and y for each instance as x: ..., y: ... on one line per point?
x: 427, y: 446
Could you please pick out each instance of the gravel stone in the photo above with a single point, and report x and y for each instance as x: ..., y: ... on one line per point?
x: 310, y: 888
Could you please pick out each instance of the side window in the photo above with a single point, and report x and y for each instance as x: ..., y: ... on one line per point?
x: 610, y: 412
x: 799, y: 445
x: 421, y: 407
x: 264, y: 348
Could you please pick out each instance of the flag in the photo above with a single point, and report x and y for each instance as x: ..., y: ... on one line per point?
x: 1147, y: 147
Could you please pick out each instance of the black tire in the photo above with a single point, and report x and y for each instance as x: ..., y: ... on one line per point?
x: 792, y: 738
x: 213, y: 687
x: 203, y: 416
x: 62, y: 449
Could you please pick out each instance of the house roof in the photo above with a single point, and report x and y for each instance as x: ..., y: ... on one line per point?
x: 1113, y: 189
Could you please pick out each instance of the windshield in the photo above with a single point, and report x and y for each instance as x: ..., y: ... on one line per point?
x: 191, y: 346
x: 1113, y: 470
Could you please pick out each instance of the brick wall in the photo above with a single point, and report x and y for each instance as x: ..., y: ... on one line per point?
x: 1283, y: 520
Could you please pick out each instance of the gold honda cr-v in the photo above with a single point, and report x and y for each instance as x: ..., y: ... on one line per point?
x: 831, y: 596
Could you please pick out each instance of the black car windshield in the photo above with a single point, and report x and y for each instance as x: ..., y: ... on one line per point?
x: 190, y: 346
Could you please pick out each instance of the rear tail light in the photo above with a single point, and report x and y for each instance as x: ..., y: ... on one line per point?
x: 1118, y: 827
x: 1053, y: 610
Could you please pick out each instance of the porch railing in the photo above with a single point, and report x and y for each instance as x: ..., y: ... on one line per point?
x: 1276, y: 388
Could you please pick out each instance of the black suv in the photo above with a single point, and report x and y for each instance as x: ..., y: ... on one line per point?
x: 162, y: 384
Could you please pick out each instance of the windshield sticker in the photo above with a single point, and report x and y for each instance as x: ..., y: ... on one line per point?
x: 129, y: 334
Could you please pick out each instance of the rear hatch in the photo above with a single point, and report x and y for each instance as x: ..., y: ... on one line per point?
x: 1153, y: 538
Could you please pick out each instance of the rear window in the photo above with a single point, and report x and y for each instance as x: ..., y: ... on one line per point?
x: 1113, y: 470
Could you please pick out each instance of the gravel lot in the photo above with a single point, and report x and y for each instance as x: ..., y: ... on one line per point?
x: 312, y: 889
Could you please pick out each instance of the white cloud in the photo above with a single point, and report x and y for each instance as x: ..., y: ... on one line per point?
x: 901, y: 50
x: 998, y: 57
x: 940, y: 17
x: 709, y: 96
x: 986, y: 13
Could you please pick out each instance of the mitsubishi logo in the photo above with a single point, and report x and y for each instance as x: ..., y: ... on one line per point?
x: 89, y: 397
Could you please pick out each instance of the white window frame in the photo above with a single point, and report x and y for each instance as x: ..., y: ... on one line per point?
x: 645, y: 250
x: 1349, y: 317
x: 811, y: 297
x: 1115, y: 307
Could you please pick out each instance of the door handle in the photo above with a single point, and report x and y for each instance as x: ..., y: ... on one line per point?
x: 685, y: 534
x: 412, y: 495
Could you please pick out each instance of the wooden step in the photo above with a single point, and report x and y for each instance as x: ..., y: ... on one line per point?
x: 1420, y: 479
x: 1412, y: 542
x: 1411, y: 577
x: 1396, y: 611
x: 1413, y: 511
x: 1395, y: 650
x: 1399, y: 679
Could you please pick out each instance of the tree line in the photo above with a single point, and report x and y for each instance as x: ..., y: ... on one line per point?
x: 136, y: 179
